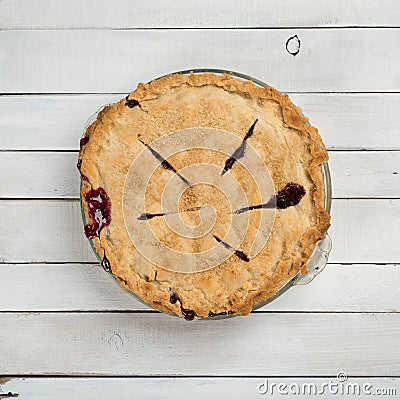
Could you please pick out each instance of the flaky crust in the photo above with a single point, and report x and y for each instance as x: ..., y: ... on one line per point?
x: 290, y: 146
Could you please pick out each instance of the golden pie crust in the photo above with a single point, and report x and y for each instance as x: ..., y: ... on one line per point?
x: 291, y: 148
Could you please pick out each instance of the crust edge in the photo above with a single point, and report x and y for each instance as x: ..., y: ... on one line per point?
x: 293, y: 117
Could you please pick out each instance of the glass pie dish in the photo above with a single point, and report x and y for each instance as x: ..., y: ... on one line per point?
x: 319, y: 257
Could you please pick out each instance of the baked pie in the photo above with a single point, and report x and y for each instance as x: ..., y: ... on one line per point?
x: 203, y: 194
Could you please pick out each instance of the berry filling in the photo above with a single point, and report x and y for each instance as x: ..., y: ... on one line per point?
x: 186, y: 312
x: 83, y: 141
x: 131, y: 103
x: 99, y: 211
x: 79, y: 165
x: 290, y: 195
x: 211, y: 314
x: 173, y: 298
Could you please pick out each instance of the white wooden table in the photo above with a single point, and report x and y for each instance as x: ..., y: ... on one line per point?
x: 66, y: 330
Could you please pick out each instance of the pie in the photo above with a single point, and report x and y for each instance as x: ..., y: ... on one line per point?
x: 203, y: 194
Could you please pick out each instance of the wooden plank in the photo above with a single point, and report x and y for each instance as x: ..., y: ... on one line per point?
x: 86, y: 287
x: 193, y: 388
x: 300, y: 344
x: 54, y: 175
x: 40, y: 175
x: 43, y: 231
x: 55, y: 122
x: 48, y: 122
x: 363, y: 231
x: 354, y: 121
x: 350, y: 60
x: 46, y: 14
x: 365, y: 174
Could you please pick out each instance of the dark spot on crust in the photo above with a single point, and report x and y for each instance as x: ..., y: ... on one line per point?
x: 79, y: 166
x: 211, y: 314
x: 242, y: 255
x: 123, y: 280
x: 131, y: 103
x: 173, y: 298
x: 238, y: 253
x: 83, y: 141
x: 146, y: 216
x: 165, y: 164
x: 239, y: 152
x: 188, y: 314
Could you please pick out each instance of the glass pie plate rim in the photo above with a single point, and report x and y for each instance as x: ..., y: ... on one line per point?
x: 319, y: 257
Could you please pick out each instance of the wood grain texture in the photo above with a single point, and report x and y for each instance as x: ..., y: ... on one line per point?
x: 89, y: 61
x: 287, y: 344
x: 363, y: 231
x: 348, y: 319
x: 74, y: 14
x: 183, y: 388
x: 86, y: 287
x: 40, y: 175
x: 43, y: 231
x: 54, y: 175
x: 55, y: 122
x: 365, y: 174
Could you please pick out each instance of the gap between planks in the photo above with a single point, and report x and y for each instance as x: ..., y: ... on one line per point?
x: 216, y: 28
